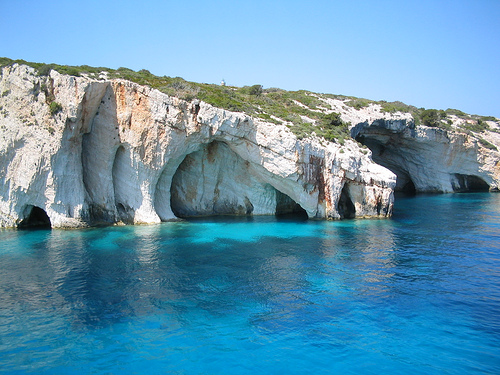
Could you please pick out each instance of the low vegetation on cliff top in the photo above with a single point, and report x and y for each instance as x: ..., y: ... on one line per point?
x: 302, y: 111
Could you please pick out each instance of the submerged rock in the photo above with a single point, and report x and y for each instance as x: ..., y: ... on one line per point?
x: 77, y: 151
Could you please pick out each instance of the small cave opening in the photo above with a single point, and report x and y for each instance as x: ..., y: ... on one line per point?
x: 37, y: 218
x: 409, y: 188
x: 345, y: 207
x: 463, y: 183
x: 287, y: 208
x: 404, y: 184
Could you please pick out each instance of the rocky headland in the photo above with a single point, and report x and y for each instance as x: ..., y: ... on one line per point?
x: 92, y: 148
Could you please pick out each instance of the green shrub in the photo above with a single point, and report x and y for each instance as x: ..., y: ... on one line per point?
x: 332, y: 120
x: 272, y: 89
x: 476, y: 126
x: 456, y: 112
x: 333, y: 128
x: 306, y: 98
x: 487, y: 144
x: 268, y: 118
x: 44, y: 69
x: 430, y: 117
x: 302, y: 130
x: 55, y: 107
x: 488, y: 118
x: 392, y: 107
x: 358, y: 103
x: 255, y: 90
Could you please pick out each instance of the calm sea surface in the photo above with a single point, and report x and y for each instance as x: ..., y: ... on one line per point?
x: 416, y: 294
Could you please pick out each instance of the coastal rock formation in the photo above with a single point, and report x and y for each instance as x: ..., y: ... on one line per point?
x: 427, y: 159
x: 432, y: 160
x: 77, y: 151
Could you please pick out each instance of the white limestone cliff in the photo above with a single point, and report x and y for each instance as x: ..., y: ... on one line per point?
x: 115, y: 151
x: 429, y: 159
x: 426, y: 159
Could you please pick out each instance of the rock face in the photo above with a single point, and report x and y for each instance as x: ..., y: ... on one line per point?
x: 426, y: 159
x: 431, y: 159
x: 77, y: 151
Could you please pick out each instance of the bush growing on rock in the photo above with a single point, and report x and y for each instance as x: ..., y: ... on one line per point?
x: 430, y: 117
x: 476, y: 126
x: 255, y: 90
x: 359, y: 103
x: 54, y: 108
x: 487, y: 144
x: 333, y: 128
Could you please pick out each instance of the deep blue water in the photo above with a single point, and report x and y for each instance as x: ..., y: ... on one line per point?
x: 418, y: 294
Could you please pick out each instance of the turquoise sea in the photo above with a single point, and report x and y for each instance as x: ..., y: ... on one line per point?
x: 415, y: 294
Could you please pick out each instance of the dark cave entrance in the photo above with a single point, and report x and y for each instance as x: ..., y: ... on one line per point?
x: 37, y: 218
x: 385, y: 154
x: 409, y: 188
x: 345, y: 207
x: 404, y: 184
x: 287, y: 208
x: 462, y: 183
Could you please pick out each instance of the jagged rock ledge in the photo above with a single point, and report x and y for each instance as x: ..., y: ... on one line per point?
x: 77, y: 151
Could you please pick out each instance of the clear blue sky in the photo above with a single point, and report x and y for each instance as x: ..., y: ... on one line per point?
x: 432, y: 54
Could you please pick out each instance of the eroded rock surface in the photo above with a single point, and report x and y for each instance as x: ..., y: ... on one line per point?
x: 76, y: 151
x: 433, y: 160
x: 426, y: 159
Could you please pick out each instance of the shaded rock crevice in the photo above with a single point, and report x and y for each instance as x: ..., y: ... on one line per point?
x: 346, y: 207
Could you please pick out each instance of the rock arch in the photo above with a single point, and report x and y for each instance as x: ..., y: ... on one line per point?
x: 117, y: 145
x: 427, y: 159
x: 215, y: 180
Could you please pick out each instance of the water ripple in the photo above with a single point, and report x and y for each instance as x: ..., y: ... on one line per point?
x: 416, y: 294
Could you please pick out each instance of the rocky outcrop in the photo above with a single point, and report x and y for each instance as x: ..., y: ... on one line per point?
x: 77, y: 151
x: 433, y: 160
x: 427, y: 159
